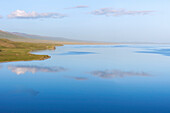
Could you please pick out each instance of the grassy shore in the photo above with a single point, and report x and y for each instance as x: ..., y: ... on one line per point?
x: 20, y: 51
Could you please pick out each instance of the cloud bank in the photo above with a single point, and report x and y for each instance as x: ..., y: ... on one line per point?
x: 21, y: 14
x: 116, y: 73
x: 118, y: 12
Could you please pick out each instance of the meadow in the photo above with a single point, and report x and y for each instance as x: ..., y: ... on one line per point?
x: 20, y: 51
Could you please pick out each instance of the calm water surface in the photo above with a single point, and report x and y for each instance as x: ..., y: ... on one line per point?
x: 89, y: 79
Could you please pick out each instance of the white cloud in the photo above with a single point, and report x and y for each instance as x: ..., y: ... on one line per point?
x: 79, y: 6
x: 21, y: 14
x: 118, y: 12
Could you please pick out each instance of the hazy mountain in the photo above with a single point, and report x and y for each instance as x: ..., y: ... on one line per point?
x: 60, y: 39
x: 11, y: 36
x: 23, y: 37
x: 18, y: 38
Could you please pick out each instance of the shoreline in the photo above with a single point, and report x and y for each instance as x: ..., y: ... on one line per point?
x: 55, y: 45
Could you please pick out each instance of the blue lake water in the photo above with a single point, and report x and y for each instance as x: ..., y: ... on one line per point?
x: 89, y: 79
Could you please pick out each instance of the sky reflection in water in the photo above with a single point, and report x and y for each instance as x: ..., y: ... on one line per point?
x: 89, y: 79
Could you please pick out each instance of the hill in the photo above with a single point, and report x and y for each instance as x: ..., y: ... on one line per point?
x: 22, y: 37
x: 39, y: 37
x: 18, y: 38
x: 10, y: 36
x: 60, y: 40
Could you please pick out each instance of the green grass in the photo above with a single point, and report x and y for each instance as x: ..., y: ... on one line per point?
x: 20, y: 51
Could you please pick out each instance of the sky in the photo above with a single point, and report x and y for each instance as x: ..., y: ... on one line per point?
x: 93, y: 20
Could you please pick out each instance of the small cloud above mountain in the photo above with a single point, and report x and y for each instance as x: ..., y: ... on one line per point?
x: 77, y: 7
x: 119, y: 12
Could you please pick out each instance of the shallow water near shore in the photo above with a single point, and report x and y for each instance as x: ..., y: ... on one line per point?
x: 89, y: 79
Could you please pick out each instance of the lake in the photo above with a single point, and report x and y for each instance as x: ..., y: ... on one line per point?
x: 89, y: 79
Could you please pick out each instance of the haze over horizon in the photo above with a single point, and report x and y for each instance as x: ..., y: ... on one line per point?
x: 104, y: 20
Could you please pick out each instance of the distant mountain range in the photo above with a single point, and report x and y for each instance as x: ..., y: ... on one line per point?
x: 11, y: 36
x: 15, y: 36
x: 60, y: 39
x: 23, y: 37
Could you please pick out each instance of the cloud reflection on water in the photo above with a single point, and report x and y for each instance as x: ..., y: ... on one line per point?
x: 29, y: 91
x: 77, y: 78
x: 116, y: 73
x: 33, y: 69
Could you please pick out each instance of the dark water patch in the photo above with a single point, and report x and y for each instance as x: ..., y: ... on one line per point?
x: 99, y: 46
x: 77, y: 53
x: 165, y: 52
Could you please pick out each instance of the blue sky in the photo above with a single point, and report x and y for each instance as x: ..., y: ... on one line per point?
x: 96, y: 20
